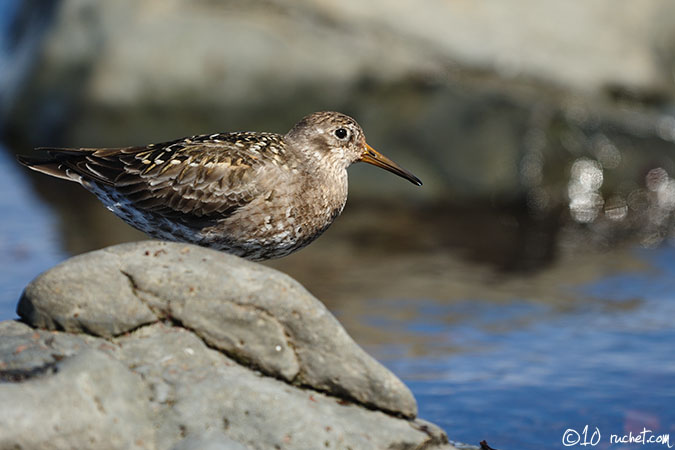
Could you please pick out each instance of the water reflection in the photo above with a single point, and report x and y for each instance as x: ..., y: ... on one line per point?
x: 520, y: 373
x: 584, y: 190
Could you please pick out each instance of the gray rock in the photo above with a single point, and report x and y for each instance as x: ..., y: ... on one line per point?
x: 272, y: 53
x: 178, y: 393
x: 254, y: 314
x: 90, y: 286
x: 209, y: 391
x: 214, y: 440
x: 87, y: 400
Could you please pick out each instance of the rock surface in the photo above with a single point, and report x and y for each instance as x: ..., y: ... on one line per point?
x: 246, y: 53
x: 155, y: 348
x: 77, y: 402
x: 253, y: 314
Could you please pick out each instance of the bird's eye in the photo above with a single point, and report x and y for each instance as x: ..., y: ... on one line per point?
x: 341, y: 133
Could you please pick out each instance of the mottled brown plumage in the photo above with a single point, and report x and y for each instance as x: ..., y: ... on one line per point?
x: 257, y: 195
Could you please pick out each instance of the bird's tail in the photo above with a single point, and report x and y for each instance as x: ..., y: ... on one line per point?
x: 52, y: 163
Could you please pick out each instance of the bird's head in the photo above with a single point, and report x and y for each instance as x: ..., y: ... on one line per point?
x: 339, y: 138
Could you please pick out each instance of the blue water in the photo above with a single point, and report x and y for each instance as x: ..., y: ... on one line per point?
x: 29, y: 238
x: 520, y: 374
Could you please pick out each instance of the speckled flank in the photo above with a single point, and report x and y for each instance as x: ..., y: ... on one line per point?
x: 257, y: 195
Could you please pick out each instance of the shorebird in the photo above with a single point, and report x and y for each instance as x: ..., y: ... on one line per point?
x: 256, y: 195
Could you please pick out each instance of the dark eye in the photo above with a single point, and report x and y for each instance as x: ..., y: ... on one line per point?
x: 341, y: 133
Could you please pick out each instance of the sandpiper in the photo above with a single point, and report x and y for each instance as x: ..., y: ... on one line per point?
x: 256, y: 195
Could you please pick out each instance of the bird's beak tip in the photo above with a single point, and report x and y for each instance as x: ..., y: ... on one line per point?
x: 372, y: 156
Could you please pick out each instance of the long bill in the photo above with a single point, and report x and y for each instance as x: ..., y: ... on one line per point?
x: 372, y: 156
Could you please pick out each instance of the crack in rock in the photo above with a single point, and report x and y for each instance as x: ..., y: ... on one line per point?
x: 135, y: 289
x: 240, y: 357
x: 21, y: 375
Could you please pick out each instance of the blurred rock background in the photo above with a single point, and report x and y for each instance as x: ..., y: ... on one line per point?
x: 537, y: 126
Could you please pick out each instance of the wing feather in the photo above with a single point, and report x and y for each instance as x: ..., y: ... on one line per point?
x: 201, y: 176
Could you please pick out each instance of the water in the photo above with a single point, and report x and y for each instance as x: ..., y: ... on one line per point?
x: 29, y: 238
x: 522, y: 373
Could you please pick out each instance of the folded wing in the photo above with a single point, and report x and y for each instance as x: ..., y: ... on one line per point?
x: 202, y: 176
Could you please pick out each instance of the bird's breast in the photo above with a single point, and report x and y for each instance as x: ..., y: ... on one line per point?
x: 289, y: 214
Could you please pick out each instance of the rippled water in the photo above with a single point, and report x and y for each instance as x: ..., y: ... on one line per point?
x: 522, y: 373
